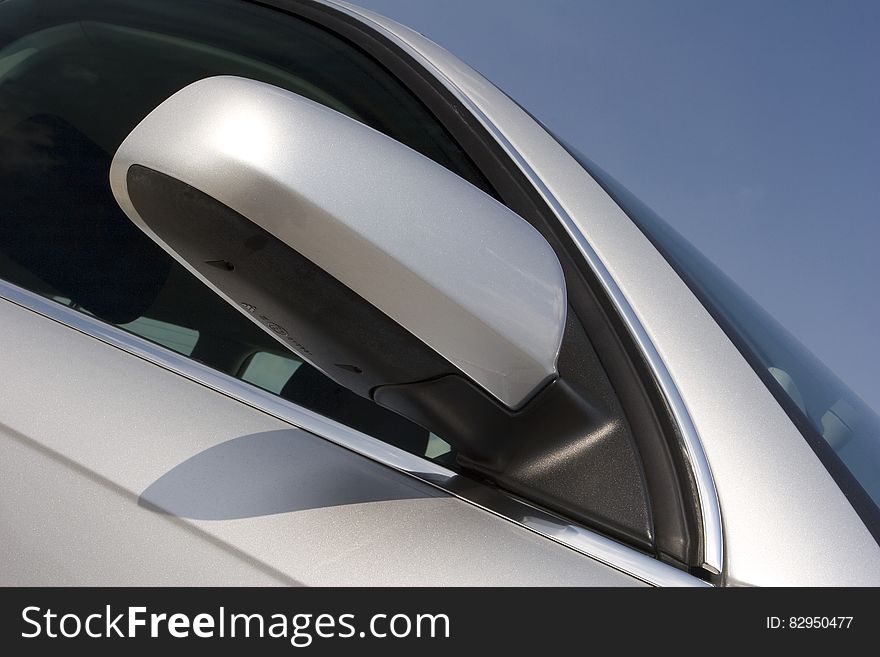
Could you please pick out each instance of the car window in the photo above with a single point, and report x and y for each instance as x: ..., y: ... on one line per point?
x: 75, y: 78
x: 840, y: 427
x: 270, y: 371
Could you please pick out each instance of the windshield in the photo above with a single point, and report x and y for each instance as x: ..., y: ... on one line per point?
x: 843, y: 431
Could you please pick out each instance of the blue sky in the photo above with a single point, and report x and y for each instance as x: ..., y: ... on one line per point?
x: 753, y: 127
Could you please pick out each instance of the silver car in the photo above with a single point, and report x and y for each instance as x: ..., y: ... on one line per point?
x: 291, y: 295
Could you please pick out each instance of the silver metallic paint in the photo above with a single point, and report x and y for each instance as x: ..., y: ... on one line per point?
x: 710, y: 514
x: 442, y: 258
x: 785, y: 520
x: 591, y: 544
x: 70, y: 481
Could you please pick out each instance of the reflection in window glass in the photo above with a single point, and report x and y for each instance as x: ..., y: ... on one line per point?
x: 437, y: 447
x: 179, y: 338
x: 269, y: 371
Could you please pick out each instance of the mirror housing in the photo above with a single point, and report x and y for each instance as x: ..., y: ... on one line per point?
x: 391, y: 275
x: 443, y: 261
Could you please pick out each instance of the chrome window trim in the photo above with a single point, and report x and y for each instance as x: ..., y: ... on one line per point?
x: 707, y: 496
x: 591, y: 544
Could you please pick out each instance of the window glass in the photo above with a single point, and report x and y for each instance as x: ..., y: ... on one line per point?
x: 842, y: 429
x: 179, y: 338
x: 76, y: 77
x: 437, y: 447
x: 270, y: 371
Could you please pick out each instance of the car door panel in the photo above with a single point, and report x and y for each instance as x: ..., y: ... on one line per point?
x: 117, y: 471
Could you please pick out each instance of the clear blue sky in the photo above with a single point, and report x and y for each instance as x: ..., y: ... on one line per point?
x: 752, y: 126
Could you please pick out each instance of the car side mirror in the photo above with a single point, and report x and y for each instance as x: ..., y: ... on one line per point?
x: 393, y: 276
x: 381, y: 268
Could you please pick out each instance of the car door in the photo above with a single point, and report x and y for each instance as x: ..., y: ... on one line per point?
x: 151, y: 434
